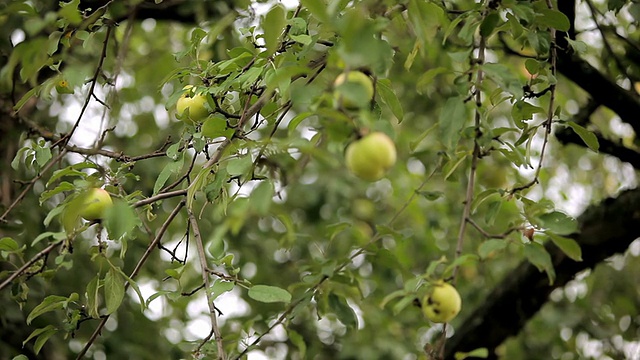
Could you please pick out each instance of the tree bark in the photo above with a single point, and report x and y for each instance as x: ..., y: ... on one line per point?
x: 604, y: 230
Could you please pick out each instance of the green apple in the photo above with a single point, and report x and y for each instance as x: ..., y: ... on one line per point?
x: 356, y: 89
x: 94, y: 203
x: 442, y: 304
x: 195, y: 103
x: 370, y: 157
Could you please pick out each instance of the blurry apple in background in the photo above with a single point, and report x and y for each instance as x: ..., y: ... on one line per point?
x: 356, y: 89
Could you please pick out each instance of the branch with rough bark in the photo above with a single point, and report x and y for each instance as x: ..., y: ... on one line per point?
x: 605, y: 229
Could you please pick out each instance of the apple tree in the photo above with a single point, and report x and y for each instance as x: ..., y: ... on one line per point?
x: 368, y: 179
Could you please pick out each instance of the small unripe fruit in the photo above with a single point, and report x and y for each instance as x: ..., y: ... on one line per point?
x: 62, y: 87
x: 94, y: 204
x: 370, y: 157
x: 195, y: 103
x: 361, y: 86
x: 442, y: 304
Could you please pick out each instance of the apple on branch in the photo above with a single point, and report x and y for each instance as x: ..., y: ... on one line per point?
x: 442, y: 304
x: 94, y: 203
x: 191, y: 106
x: 370, y: 157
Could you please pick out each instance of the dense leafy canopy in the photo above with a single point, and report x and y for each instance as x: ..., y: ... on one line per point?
x: 244, y: 233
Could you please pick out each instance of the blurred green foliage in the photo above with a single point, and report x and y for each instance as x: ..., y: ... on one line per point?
x: 290, y: 236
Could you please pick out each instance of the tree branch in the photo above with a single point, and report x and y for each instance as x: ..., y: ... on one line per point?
x: 623, y: 102
x: 568, y: 136
x: 604, y: 230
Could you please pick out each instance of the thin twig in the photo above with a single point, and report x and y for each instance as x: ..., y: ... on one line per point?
x: 549, y: 120
x: 65, y: 139
x: 28, y: 264
x: 162, y: 196
x: 493, y: 236
x: 215, y: 330
x: 475, y: 156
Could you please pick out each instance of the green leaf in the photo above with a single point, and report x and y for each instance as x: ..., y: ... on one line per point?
x: 414, y: 144
x: 343, y: 311
x: 489, y: 23
x: 28, y: 95
x: 42, y: 334
x: 393, y: 295
x: 43, y: 155
x: 480, y: 198
x: 17, y: 161
x: 589, y: 138
x: 452, y: 118
x: 113, y: 290
x: 412, y: 55
x: 93, y: 299
x: 427, y: 78
x: 70, y: 218
x: 462, y: 260
x: 214, y: 188
x: 299, y: 342
x: 261, y: 197
x: 431, y: 195
x: 486, y: 248
x: 568, y: 246
x: 69, y: 11
x: 57, y: 236
x: 426, y: 17
x: 215, y: 127
x: 20, y: 357
x: 269, y: 294
x: 62, y: 187
x: 171, y: 168
x: 50, y: 303
x: 558, y: 222
x: 532, y: 66
x: 554, y: 19
x: 293, y: 124
x: 273, y: 26
x: 43, y: 337
x: 249, y: 77
x: 481, y: 353
x: 578, y: 46
x: 453, y: 164
x: 120, y: 220
x: 196, y: 38
x: 197, y: 184
x: 317, y: 8
x: 523, y: 110
x: 403, y: 303
x: 540, y: 258
x: 175, y: 273
x: 73, y: 170
x: 8, y: 244
x: 132, y: 284
x: 332, y: 230
x: 302, y: 39
x: 388, y: 95
x: 240, y: 165
x: 220, y: 287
